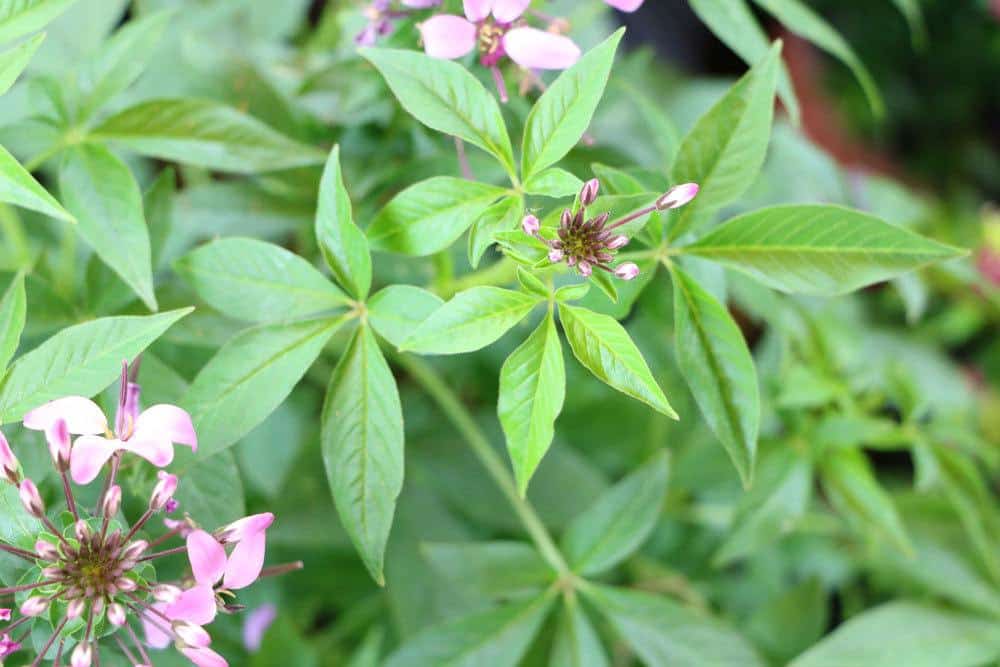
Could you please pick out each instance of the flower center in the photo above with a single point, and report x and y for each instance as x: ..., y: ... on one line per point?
x: 491, y: 41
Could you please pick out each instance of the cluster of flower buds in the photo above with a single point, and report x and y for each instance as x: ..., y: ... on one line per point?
x: 589, y: 243
x: 92, y: 577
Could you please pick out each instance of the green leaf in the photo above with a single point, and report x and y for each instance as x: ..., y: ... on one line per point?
x: 430, y: 215
x: 504, y: 215
x: 397, y: 310
x: 19, y: 187
x: 158, y: 206
x: 725, y: 149
x: 102, y: 194
x: 852, y: 488
x: 250, y: 376
x: 907, y: 633
x: 531, y: 283
x: 607, y: 351
x: 806, y: 23
x: 498, y: 638
x: 563, y: 113
x: 572, y: 292
x: 445, y: 97
x: 344, y: 245
x: 204, y: 134
x: 576, y: 643
x: 362, y: 441
x: 733, y: 22
x: 212, y: 490
x: 817, y: 249
x: 664, y: 634
x: 13, y: 61
x: 619, y: 521
x: 257, y: 282
x: 553, y: 182
x: 470, y: 321
x: 915, y: 18
x: 492, y: 570
x: 20, y: 17
x: 792, y: 621
x: 80, y: 360
x: 12, y: 313
x: 120, y: 61
x: 716, y: 363
x: 532, y: 389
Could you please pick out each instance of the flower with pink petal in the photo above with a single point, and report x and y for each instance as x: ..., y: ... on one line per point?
x: 256, y: 625
x: 381, y: 16
x: 625, y: 5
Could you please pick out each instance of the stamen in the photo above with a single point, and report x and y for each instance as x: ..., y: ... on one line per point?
x: 501, y: 85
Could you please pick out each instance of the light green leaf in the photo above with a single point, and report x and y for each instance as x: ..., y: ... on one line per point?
x: 725, y: 149
x: 430, y: 215
x: 258, y: 282
x: 470, y: 321
x: 817, y: 249
x: 158, y: 206
x: 80, y: 360
x: 907, y: 633
x: 576, y: 643
x: 397, y: 310
x: 733, y: 22
x: 19, y: 187
x: 12, y: 313
x: 445, y: 97
x: 502, y: 216
x: 529, y: 282
x: 607, y: 351
x: 563, y: 113
x: 204, y: 134
x: 492, y: 570
x: 20, y: 17
x: 362, y: 441
x: 250, y: 376
x: 553, y: 182
x: 572, y: 292
x: 665, y: 634
x: 532, y: 389
x: 716, y: 363
x: 805, y: 22
x: 498, y: 638
x: 120, y: 61
x: 344, y: 245
x: 619, y: 521
x: 102, y: 194
x: 13, y: 61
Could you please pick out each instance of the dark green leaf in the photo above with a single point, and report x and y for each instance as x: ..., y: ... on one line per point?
x: 12, y: 313
x: 344, y: 245
x: 576, y: 643
x: 495, y: 570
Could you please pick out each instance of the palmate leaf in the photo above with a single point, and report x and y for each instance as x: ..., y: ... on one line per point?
x: 362, y: 441
x: 817, y: 249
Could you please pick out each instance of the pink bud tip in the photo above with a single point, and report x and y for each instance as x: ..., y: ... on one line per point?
x: 617, y: 242
x: 112, y: 501
x: 31, y: 499
x: 166, y: 593
x: 4, y: 614
x: 555, y: 255
x: 57, y: 435
x: 677, y: 196
x: 116, y: 615
x: 35, y: 606
x: 191, y: 634
x: 588, y: 195
x: 75, y: 608
x: 530, y: 225
x: 584, y: 268
x: 46, y: 550
x: 83, y: 655
x: 9, y: 465
x: 163, y: 491
x: 627, y: 271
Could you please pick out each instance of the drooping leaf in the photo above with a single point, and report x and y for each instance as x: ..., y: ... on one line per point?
x: 817, y: 249
x: 102, y: 194
x: 563, y: 113
x: 619, y: 521
x: 606, y: 350
x: 576, y: 642
x: 250, y: 376
x: 532, y: 389
x: 344, y: 245
x: 501, y: 216
x: 362, y: 441
x: 13, y: 307
x: 21, y: 17
x: 725, y: 149
x: 430, y: 215
x: 18, y: 187
x: 716, y: 363
x: 80, y: 360
x: 445, y: 97
x: 14, y: 60
x: 204, y: 134
x: 470, y: 321
x: 496, y: 570
x: 258, y: 282
x: 498, y: 637
x: 397, y: 310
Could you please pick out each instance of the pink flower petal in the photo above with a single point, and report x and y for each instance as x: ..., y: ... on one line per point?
x: 204, y: 657
x: 89, y: 454
x: 477, y: 10
x: 152, y: 625
x: 158, y: 451
x: 82, y: 415
x: 508, y: 11
x: 447, y: 36
x: 246, y: 562
x: 207, y: 557
x: 256, y: 624
x: 421, y: 4
x: 537, y: 49
x: 195, y: 605
x: 247, y: 527
x: 166, y: 421
x: 625, y: 5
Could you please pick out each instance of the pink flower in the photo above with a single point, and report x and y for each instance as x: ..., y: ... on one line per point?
x: 625, y: 5
x: 256, y: 625
x: 202, y: 656
x: 491, y: 26
x: 381, y: 17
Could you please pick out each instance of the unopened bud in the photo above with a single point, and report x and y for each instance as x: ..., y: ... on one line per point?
x: 555, y: 255
x: 9, y: 465
x: 627, y: 271
x: 191, y: 634
x: 47, y: 550
x: 166, y: 593
x: 35, y: 606
x: 57, y: 435
x: 98, y: 606
x: 76, y: 608
x: 116, y: 615
x: 584, y: 268
x: 31, y: 499
x: 677, y: 196
x: 530, y: 225
x: 163, y: 491
x: 112, y: 501
x: 83, y: 655
x: 81, y: 529
x: 126, y: 585
x: 53, y: 572
x: 588, y: 194
x: 617, y: 242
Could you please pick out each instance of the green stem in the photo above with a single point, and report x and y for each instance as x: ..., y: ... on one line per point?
x: 463, y: 421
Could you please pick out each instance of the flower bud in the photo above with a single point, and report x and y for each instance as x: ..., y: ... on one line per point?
x: 31, y: 499
x: 4, y: 614
x: 116, y: 615
x: 47, y: 551
x: 9, y: 465
x: 166, y: 593
x: 627, y: 271
x: 191, y: 634
x: 588, y: 195
x: 83, y: 655
x: 584, y: 268
x: 35, y: 606
x: 98, y: 606
x: 8, y: 646
x: 81, y: 529
x: 677, y: 196
x: 76, y: 608
x: 57, y: 435
x: 112, y: 501
x: 163, y: 491
x: 617, y: 242
x: 134, y: 550
x: 530, y: 225
x: 126, y: 585
x: 555, y: 255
